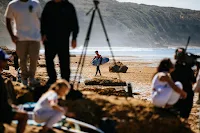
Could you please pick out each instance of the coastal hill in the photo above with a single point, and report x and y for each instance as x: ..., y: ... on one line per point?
x: 130, y: 24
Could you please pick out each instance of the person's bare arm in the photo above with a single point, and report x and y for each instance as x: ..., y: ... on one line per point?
x: 57, y: 107
x: 75, y: 28
x: 9, y: 27
x: 168, y: 79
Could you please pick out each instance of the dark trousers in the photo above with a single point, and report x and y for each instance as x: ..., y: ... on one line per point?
x: 98, y: 68
x: 185, y: 105
x: 16, y: 63
x: 62, y: 50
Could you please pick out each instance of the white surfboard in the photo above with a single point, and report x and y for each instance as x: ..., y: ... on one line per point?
x: 77, y: 125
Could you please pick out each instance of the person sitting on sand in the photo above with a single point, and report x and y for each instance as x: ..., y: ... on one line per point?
x: 47, y: 109
x: 98, y: 56
x: 196, y: 87
x: 165, y: 92
x: 9, y: 112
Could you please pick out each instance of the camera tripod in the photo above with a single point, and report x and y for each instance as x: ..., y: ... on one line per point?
x: 84, y: 51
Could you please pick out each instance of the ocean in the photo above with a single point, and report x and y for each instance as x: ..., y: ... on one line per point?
x: 140, y: 54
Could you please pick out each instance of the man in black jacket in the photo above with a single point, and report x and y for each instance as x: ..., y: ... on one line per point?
x: 58, y: 22
x: 8, y: 112
x: 185, y: 75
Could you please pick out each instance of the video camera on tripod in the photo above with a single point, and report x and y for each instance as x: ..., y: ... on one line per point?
x: 187, y: 58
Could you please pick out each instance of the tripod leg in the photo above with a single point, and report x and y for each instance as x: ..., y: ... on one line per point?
x: 107, y: 39
x: 80, y: 60
x: 86, y: 45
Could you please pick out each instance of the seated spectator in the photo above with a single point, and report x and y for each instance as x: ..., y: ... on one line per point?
x: 9, y: 112
x: 196, y: 87
x: 165, y: 92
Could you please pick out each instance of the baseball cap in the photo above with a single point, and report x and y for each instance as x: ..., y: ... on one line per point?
x: 3, y: 55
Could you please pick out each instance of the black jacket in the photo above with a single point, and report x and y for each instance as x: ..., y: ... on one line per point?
x: 185, y: 75
x: 59, y: 20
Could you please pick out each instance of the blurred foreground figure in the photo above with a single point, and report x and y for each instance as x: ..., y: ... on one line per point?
x: 9, y: 112
x: 26, y: 15
x: 184, y: 73
x: 58, y: 22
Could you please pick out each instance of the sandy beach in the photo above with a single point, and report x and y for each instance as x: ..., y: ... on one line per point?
x: 139, y: 74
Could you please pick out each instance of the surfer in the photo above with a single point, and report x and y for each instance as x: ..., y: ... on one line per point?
x: 165, y: 92
x: 98, y: 56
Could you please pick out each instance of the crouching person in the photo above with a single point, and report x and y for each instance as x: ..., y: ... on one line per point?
x: 47, y: 109
x: 165, y: 92
x: 196, y: 87
x: 9, y: 112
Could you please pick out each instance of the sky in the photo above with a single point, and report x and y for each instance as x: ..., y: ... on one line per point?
x: 187, y: 4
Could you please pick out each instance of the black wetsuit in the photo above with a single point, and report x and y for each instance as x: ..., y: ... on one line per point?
x: 185, y: 75
x: 98, y: 67
x: 58, y: 22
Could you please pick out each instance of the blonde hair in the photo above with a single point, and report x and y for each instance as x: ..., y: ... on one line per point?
x: 59, y: 84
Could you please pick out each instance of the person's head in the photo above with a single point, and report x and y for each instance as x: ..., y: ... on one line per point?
x: 3, y: 59
x: 61, y: 87
x: 179, y: 54
x: 165, y: 66
x: 96, y: 52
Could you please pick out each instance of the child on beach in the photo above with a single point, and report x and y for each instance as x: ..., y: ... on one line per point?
x: 165, y: 92
x: 47, y: 109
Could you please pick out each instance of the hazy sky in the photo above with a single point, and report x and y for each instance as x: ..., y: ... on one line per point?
x: 189, y: 4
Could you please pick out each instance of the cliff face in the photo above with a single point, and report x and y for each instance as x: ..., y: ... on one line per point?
x: 130, y: 24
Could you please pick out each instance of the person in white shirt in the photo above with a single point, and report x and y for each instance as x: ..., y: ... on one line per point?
x: 165, y: 92
x: 47, y: 109
x: 196, y: 87
x: 25, y: 34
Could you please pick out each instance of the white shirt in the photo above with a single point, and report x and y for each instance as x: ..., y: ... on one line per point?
x: 196, y: 87
x: 26, y: 16
x: 157, y: 84
x: 45, y: 100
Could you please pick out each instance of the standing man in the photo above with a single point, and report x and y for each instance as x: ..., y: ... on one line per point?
x: 184, y: 73
x: 8, y: 112
x: 27, y: 37
x: 58, y: 22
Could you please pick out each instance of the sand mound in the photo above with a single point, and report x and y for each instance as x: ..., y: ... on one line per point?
x: 107, y: 91
x: 132, y: 116
x: 105, y: 81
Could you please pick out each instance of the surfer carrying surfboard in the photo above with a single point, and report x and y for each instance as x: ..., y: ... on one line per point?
x: 98, y: 56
